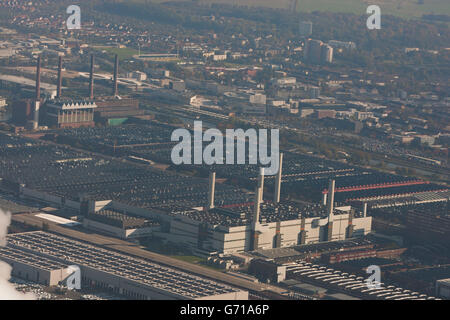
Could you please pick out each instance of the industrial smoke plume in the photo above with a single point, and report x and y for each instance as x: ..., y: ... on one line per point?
x: 7, y: 290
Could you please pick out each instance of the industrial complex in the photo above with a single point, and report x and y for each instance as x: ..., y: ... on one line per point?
x: 99, y: 124
x: 119, y: 273
x: 200, y: 215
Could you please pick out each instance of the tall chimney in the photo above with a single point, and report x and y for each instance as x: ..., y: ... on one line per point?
x: 331, y: 200
x: 258, y: 199
x: 58, y: 94
x: 278, y: 181
x: 261, y: 185
x: 212, y: 187
x: 91, y: 79
x: 365, y: 209
x: 38, y: 79
x: 116, y: 71
x: 37, y: 101
x: 324, y: 198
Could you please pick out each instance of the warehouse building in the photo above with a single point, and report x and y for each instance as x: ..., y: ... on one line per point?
x: 122, y: 274
x: 120, y: 225
x: 34, y: 267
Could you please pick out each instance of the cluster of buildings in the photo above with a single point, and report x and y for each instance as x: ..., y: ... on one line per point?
x: 239, y: 77
x: 202, y: 216
x: 56, y: 111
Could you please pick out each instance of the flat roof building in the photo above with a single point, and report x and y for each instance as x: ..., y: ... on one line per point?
x: 122, y: 274
x: 34, y: 267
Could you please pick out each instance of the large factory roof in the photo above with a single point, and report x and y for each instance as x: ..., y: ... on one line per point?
x: 23, y: 256
x: 121, y: 220
x: 145, y: 273
x: 335, y: 279
x: 71, y: 174
x: 303, y: 174
x: 65, y: 104
x: 302, y: 251
x: 409, y: 199
x: 241, y: 215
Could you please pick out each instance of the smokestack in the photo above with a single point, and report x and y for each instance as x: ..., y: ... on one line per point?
x: 258, y: 198
x: 116, y: 71
x: 324, y: 198
x: 278, y: 181
x: 365, y: 209
x: 212, y: 187
x: 38, y: 79
x: 58, y: 94
x: 331, y: 200
x: 37, y: 101
x: 91, y: 79
x: 261, y: 185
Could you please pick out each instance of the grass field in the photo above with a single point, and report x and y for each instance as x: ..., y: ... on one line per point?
x: 402, y: 8
x: 123, y: 53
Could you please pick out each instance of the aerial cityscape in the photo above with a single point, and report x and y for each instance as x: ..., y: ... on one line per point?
x: 258, y: 150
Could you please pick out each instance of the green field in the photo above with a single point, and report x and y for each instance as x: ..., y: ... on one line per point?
x: 403, y: 8
x: 123, y: 53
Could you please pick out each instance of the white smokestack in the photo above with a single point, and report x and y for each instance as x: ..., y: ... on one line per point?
x: 212, y: 188
x: 7, y: 290
x: 324, y: 199
x: 331, y: 200
x: 258, y: 198
x: 261, y: 185
x: 365, y: 209
x: 278, y: 181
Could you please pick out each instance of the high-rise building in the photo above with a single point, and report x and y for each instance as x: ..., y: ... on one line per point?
x: 314, y: 51
x: 317, y: 52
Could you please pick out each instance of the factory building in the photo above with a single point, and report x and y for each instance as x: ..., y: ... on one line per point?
x: 66, y: 113
x: 33, y: 267
x: 225, y: 232
x: 22, y: 112
x: 432, y: 225
x: 119, y: 225
x: 112, y: 110
x: 122, y: 274
x: 265, y: 225
x: 70, y: 114
x: 219, y: 220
